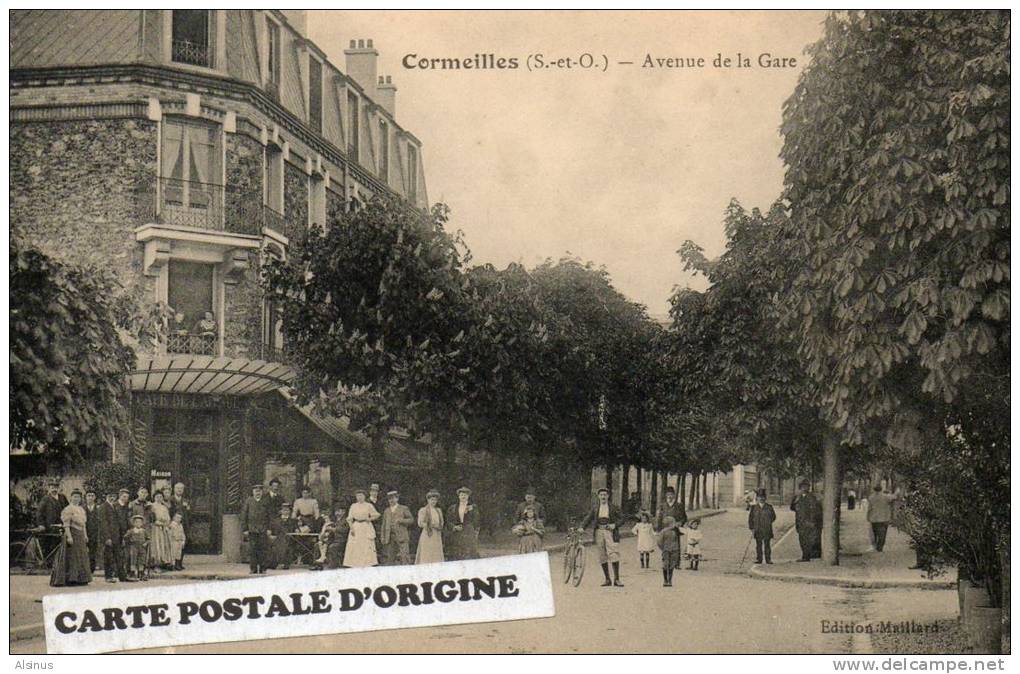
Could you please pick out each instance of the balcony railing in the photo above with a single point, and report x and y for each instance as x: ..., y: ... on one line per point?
x: 186, y: 203
x: 283, y: 224
x: 198, y: 345
x: 273, y: 354
x: 192, y: 53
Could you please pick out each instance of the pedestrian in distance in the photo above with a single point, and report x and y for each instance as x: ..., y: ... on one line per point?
x: 759, y: 521
x: 669, y: 543
x: 808, y: 521
x: 851, y: 499
x: 606, y: 520
x: 645, y: 538
x: 880, y: 512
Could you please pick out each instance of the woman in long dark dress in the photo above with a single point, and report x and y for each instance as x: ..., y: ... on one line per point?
x: 71, y: 565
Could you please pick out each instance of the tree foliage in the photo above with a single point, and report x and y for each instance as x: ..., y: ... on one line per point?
x: 68, y: 358
x: 897, y: 147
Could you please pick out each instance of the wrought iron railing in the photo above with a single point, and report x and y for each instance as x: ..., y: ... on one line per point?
x: 288, y: 226
x: 198, y: 345
x: 273, y: 354
x: 192, y: 53
x: 187, y: 203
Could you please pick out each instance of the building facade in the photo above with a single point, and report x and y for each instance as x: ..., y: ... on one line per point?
x: 179, y: 149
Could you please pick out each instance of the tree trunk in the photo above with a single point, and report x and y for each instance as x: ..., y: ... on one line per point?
x: 704, y: 489
x: 653, y: 495
x: 1004, y: 556
x: 640, y: 488
x: 663, y: 481
x: 691, y: 492
x: 681, y: 487
x: 625, y: 488
x: 609, y: 482
x: 831, y: 489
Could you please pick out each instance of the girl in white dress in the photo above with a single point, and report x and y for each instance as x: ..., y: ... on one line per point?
x: 430, y: 521
x: 361, y: 541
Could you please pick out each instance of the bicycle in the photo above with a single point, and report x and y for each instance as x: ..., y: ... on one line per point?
x: 27, y: 553
x: 573, y: 557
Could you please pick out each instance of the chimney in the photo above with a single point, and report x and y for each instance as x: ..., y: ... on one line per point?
x: 361, y: 64
x: 386, y: 95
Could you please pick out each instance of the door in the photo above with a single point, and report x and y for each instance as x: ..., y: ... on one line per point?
x: 184, y: 448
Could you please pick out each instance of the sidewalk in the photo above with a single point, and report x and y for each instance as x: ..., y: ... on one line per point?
x: 860, y: 565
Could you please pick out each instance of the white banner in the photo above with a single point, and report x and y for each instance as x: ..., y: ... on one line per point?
x: 300, y: 604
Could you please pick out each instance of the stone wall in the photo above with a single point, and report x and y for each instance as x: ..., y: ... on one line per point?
x: 78, y: 190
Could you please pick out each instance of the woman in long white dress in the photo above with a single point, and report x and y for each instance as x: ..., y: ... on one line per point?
x: 361, y: 540
x: 160, y: 550
x: 430, y: 521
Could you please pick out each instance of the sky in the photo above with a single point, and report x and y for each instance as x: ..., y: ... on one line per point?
x: 617, y: 166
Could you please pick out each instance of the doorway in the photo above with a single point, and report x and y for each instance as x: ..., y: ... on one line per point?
x: 185, y: 448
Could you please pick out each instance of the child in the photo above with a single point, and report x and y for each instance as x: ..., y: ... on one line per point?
x: 177, y: 540
x: 326, y: 536
x: 693, y: 533
x: 670, y: 546
x: 137, y: 542
x: 645, y: 538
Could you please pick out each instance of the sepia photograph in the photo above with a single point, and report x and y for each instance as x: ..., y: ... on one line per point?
x: 511, y: 332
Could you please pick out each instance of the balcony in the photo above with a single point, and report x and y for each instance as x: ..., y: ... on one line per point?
x: 272, y: 354
x: 192, y: 53
x: 186, y: 203
x: 198, y: 345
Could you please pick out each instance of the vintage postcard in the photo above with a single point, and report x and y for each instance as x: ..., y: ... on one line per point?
x: 500, y: 332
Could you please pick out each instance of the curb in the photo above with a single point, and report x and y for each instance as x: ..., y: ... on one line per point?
x: 862, y: 583
x: 24, y: 632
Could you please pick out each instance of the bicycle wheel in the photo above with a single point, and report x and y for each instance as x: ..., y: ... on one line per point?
x: 579, y: 565
x: 568, y: 563
x: 17, y: 554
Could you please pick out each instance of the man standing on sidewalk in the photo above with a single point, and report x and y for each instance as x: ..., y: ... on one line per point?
x: 675, y: 509
x: 809, y: 523
x: 606, y: 519
x: 255, y: 525
x: 759, y: 521
x: 880, y: 507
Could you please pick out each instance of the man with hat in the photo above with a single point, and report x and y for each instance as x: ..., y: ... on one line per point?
x: 394, y: 537
x: 759, y: 521
x: 92, y: 527
x: 178, y: 504
x: 606, y: 520
x: 255, y: 525
x: 675, y: 509
x: 108, y: 536
x: 373, y: 498
x: 47, y: 517
x: 122, y: 509
x: 462, y: 526
x: 274, y: 499
x: 529, y: 502
x: 280, y: 542
x: 808, y: 522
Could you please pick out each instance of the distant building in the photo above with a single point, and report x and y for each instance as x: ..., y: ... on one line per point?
x: 179, y: 149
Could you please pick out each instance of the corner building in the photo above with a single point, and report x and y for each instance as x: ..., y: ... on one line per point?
x: 178, y: 149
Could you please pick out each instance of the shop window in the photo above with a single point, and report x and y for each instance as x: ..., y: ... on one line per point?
x: 190, y: 42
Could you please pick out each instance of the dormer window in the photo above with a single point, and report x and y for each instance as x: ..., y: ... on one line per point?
x: 273, y: 56
x: 190, y: 42
x: 315, y: 95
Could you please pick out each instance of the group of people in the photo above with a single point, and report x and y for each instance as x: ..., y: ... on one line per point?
x: 666, y: 533
x: 808, y: 521
x: 370, y: 530
x: 130, y: 538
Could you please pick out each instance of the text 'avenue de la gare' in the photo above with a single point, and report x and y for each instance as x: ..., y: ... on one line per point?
x: 257, y: 607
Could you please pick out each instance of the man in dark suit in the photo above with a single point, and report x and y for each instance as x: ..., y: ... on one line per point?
x: 529, y: 502
x: 675, y: 509
x: 92, y: 528
x: 122, y: 509
x: 808, y: 522
x: 759, y: 521
x: 395, y: 540
x: 274, y: 499
x: 109, y: 536
x: 47, y: 517
x: 606, y: 520
x: 255, y: 520
x: 178, y: 504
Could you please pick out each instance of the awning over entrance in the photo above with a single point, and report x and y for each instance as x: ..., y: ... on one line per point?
x: 209, y: 375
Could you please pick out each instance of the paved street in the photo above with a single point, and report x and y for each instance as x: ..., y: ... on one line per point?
x: 716, y: 609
